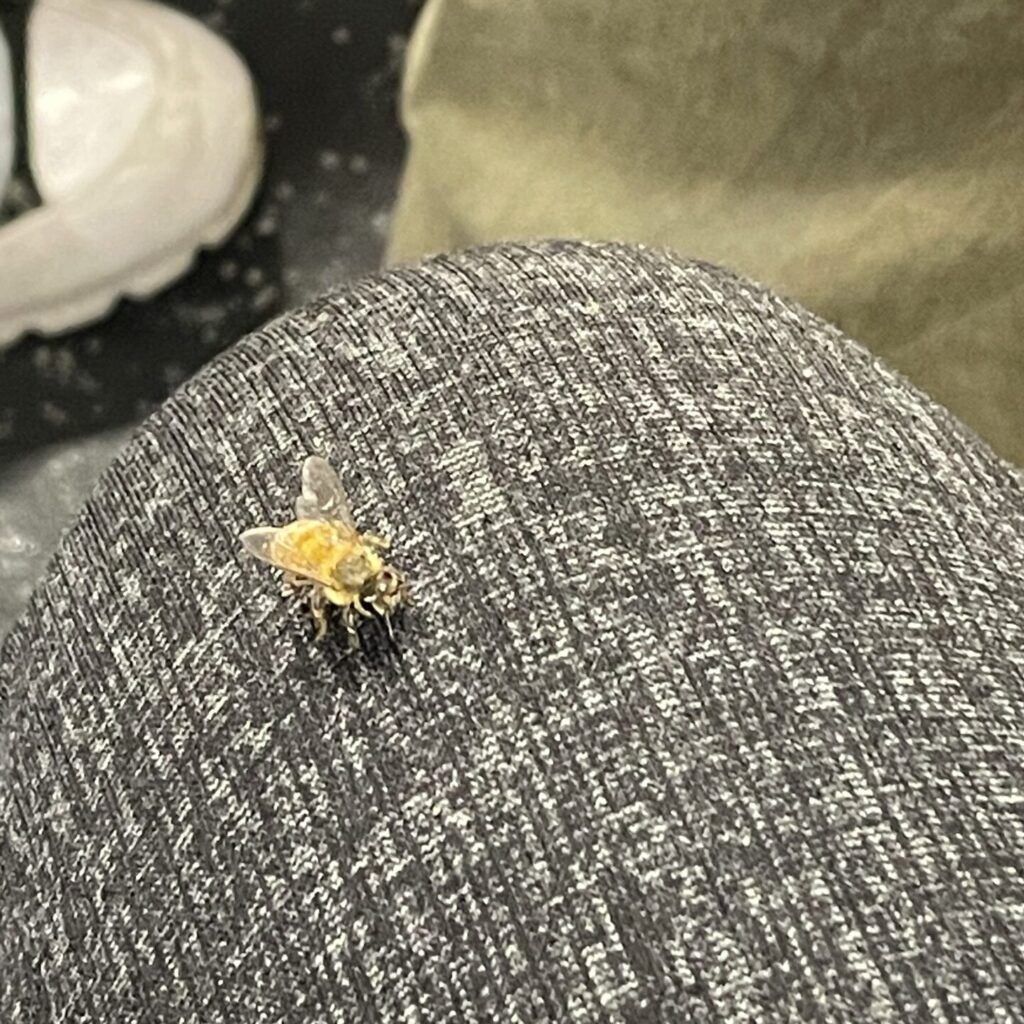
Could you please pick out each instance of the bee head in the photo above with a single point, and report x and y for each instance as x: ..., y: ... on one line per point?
x: 386, y: 591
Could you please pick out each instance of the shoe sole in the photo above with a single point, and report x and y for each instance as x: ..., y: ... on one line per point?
x: 146, y: 280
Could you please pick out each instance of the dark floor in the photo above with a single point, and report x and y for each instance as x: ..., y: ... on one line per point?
x: 327, y: 71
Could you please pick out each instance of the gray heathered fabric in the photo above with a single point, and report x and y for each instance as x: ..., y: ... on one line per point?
x: 710, y: 707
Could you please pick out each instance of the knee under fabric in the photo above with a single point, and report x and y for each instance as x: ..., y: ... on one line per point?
x: 708, y: 704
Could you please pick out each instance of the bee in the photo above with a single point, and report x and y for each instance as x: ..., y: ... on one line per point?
x: 322, y: 549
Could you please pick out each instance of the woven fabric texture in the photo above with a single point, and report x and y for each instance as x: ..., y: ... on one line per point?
x: 709, y: 706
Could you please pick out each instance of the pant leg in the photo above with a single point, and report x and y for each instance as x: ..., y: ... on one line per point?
x: 707, y: 707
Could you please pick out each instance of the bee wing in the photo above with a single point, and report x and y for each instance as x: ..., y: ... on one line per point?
x: 260, y: 541
x: 268, y: 544
x: 323, y: 496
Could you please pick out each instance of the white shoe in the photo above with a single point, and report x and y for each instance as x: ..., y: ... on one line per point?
x: 145, y: 147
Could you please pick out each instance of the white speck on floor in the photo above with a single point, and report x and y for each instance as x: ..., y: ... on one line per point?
x: 330, y: 159
x: 53, y: 414
x: 268, y: 224
x: 87, y: 384
x: 285, y: 191
x: 227, y: 270
x: 173, y: 374
x: 63, y: 366
x: 265, y: 298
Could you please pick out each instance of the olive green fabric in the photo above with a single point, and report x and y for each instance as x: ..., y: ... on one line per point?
x: 866, y: 159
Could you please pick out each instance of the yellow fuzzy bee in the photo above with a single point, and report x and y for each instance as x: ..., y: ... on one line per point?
x: 322, y: 549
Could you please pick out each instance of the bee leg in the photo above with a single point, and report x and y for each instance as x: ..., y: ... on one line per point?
x: 387, y: 622
x: 290, y: 583
x: 375, y: 540
x: 348, y: 618
x: 357, y: 603
x: 318, y: 606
